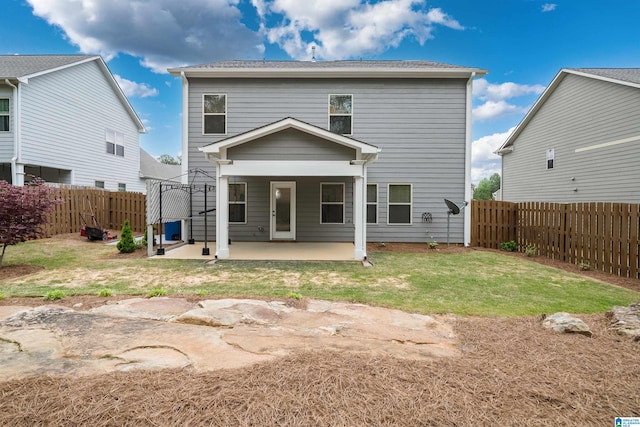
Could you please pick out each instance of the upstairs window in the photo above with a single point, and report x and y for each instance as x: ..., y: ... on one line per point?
x: 550, y: 157
x: 214, y: 110
x: 238, y: 203
x: 332, y: 203
x: 341, y: 114
x: 114, y: 142
x: 4, y: 115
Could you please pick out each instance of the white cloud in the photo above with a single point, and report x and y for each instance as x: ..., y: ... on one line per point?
x: 484, y: 90
x: 494, y: 98
x: 549, y: 7
x: 349, y: 28
x: 164, y: 33
x: 484, y: 161
x: 135, y: 90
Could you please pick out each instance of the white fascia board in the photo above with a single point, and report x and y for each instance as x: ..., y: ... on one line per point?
x: 327, y: 73
x: 289, y: 168
x: 605, y: 79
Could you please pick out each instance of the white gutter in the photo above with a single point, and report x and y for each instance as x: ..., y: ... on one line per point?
x: 16, y: 132
x: 467, y: 162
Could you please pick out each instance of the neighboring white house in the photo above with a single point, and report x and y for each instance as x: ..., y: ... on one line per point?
x: 65, y: 119
x: 579, y: 142
x: 344, y: 151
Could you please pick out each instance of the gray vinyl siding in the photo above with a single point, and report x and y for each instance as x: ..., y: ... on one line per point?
x: 418, y: 123
x: 581, y: 112
x: 64, y: 117
x: 290, y: 144
x: 6, y: 138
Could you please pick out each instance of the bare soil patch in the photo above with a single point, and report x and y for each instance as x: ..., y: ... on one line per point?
x: 512, y: 372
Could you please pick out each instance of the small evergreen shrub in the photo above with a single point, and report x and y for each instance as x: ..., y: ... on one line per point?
x: 510, y: 246
x: 126, y: 244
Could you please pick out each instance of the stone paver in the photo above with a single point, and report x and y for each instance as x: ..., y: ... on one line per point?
x: 156, y: 333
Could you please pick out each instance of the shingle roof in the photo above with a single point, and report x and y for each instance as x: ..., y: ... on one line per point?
x: 15, y: 66
x: 327, y: 64
x: 240, y: 68
x: 153, y: 169
x: 631, y: 75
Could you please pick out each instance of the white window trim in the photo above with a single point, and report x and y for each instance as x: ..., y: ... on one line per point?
x: 226, y: 121
x: 95, y: 184
x: 551, y: 155
x: 329, y: 110
x: 116, y: 139
x: 332, y: 203
x: 8, y: 114
x: 373, y: 203
x: 410, y: 204
x: 245, y: 203
x: 122, y: 186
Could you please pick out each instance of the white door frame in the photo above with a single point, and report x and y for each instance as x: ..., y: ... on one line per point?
x: 283, y: 235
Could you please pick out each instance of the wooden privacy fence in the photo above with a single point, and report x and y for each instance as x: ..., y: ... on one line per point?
x: 110, y: 210
x: 602, y: 236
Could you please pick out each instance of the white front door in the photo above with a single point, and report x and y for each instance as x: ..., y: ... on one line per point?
x: 283, y: 210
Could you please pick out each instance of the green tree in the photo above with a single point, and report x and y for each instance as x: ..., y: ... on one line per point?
x: 126, y: 244
x: 486, y: 187
x: 169, y: 160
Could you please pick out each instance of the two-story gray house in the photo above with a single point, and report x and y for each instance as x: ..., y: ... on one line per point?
x: 579, y: 142
x: 65, y: 119
x: 344, y: 151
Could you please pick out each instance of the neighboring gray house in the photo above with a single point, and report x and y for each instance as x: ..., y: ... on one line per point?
x: 65, y: 119
x: 579, y: 142
x: 350, y: 151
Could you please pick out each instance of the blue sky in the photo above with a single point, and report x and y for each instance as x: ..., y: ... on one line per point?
x: 523, y: 44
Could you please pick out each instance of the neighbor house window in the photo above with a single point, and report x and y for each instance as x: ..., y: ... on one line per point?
x: 372, y: 203
x: 341, y: 114
x: 99, y: 184
x: 4, y: 115
x: 115, y: 142
x: 399, y: 205
x: 550, y: 157
x: 238, y: 203
x: 331, y: 203
x: 122, y: 187
x: 214, y: 109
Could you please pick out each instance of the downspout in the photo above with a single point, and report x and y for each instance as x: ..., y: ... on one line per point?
x: 16, y: 133
x: 467, y: 161
x: 185, y: 155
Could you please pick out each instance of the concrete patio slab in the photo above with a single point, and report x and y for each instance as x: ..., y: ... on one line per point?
x: 267, y: 251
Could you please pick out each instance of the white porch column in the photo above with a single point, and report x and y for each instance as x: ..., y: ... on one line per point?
x: 359, y: 217
x: 222, y: 217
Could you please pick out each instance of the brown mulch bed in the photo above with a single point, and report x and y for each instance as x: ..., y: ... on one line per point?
x: 511, y: 372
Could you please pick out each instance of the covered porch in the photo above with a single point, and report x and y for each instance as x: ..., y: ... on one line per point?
x: 274, y: 160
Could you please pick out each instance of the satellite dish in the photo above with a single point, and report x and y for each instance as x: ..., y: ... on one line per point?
x: 453, y: 208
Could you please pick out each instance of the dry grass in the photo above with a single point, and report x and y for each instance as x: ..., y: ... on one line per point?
x: 513, y: 372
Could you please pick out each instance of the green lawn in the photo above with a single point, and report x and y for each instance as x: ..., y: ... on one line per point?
x: 474, y: 283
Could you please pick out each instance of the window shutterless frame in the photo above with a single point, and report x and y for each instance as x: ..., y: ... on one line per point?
x: 5, y: 115
x: 372, y: 203
x: 550, y: 158
x: 237, y: 202
x: 332, y: 202
x: 341, y: 114
x: 399, y: 204
x: 214, y: 114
